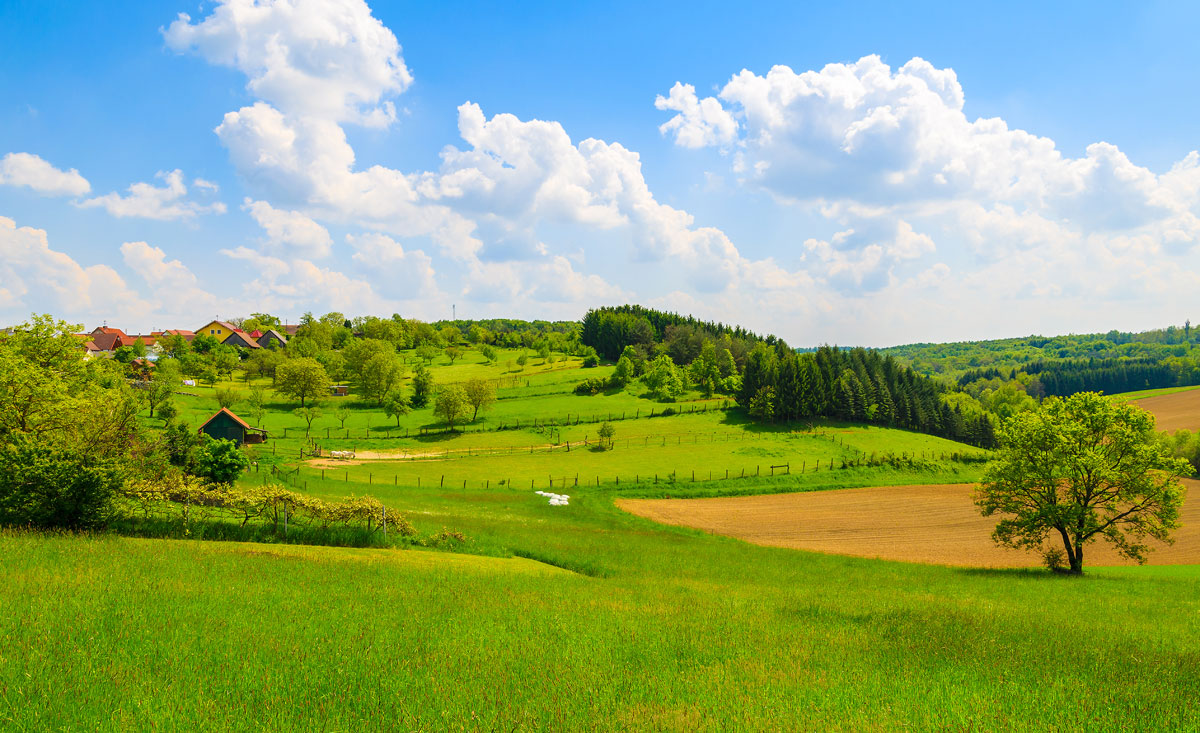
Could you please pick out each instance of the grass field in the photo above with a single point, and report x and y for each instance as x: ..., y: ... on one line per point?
x: 581, y: 616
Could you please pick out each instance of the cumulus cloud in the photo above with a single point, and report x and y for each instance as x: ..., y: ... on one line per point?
x: 322, y: 58
x: 33, y: 276
x: 290, y: 230
x: 700, y: 122
x: 27, y: 169
x: 301, y: 284
x: 147, y: 201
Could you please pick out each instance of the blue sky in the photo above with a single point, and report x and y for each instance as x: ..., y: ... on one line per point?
x: 327, y: 161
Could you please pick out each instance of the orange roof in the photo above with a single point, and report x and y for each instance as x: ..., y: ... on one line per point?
x: 225, y: 410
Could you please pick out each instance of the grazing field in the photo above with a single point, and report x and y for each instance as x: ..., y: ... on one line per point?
x: 927, y: 524
x: 1173, y: 411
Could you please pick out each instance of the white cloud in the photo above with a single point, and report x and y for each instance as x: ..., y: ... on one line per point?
x: 408, y: 273
x: 700, y: 122
x: 298, y: 284
x: 34, y: 277
x: 147, y: 201
x: 290, y: 230
x: 329, y: 59
x: 27, y: 169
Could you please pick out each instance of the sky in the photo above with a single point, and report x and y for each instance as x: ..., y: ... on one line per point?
x: 873, y: 174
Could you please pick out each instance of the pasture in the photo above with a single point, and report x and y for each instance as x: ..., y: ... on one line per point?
x: 927, y: 524
x: 584, y: 616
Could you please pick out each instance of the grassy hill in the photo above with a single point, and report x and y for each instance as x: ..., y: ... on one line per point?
x: 579, y: 616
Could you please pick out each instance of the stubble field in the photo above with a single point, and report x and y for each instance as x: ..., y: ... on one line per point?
x: 928, y: 524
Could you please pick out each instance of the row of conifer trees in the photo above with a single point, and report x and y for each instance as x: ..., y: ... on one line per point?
x: 857, y: 385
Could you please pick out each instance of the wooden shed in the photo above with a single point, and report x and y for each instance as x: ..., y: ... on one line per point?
x: 339, y: 390
x: 225, y: 425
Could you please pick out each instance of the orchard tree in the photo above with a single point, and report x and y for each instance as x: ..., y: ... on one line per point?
x: 227, y: 397
x: 451, y: 404
x: 308, y: 414
x: 220, y: 461
x: 380, y: 375
x: 302, y: 378
x: 480, y: 393
x: 1080, y: 468
x: 395, y: 405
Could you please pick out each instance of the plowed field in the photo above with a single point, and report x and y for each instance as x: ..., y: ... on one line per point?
x: 929, y: 524
x: 1174, y: 411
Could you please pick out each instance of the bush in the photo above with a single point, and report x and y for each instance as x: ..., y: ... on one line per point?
x: 220, y: 461
x: 591, y: 360
x: 591, y: 386
x: 1053, y: 558
x: 53, y: 487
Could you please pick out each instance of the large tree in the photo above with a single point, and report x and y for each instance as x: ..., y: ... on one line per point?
x: 451, y: 404
x: 302, y: 378
x: 1080, y: 468
x: 381, y: 374
x: 480, y: 393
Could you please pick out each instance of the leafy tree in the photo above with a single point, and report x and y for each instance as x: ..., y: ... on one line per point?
x: 1080, y: 468
x: 341, y: 414
x: 453, y: 353
x: 624, y: 372
x: 204, y: 343
x: 167, y: 411
x: 220, y: 461
x: 124, y: 354
x: 395, y: 405
x: 427, y: 353
x: 258, y: 404
x: 664, y: 379
x: 224, y: 360
x: 308, y: 414
x: 50, y: 486
x: 227, y: 397
x: 158, y: 390
x: 480, y: 393
x: 488, y: 352
x: 175, y: 346
x: 182, y: 445
x: 422, y: 387
x: 302, y: 378
x: 381, y: 374
x: 522, y: 360
x: 451, y: 404
x: 607, y: 435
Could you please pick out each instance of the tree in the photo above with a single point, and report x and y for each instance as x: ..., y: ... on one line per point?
x: 1083, y: 467
x: 227, y: 397
x: 167, y: 412
x: 308, y: 414
x: 395, y: 405
x: 341, y: 414
x: 451, y: 404
x: 258, y: 404
x: 55, y: 485
x: 453, y: 353
x: 302, y: 378
x: 422, y: 387
x: 159, y: 388
x: 220, y: 461
x: 427, y: 353
x: 380, y: 375
x: 488, y: 352
x: 762, y: 404
x: 607, y: 435
x: 480, y: 394
x: 224, y: 360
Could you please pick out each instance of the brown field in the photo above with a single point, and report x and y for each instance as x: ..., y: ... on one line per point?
x: 1174, y: 411
x: 928, y: 524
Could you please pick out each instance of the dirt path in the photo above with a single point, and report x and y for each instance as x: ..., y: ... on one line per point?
x: 928, y: 524
x: 1175, y: 411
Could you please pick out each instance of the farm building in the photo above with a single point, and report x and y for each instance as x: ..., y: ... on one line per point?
x: 272, y: 339
x: 225, y: 425
x: 339, y: 390
x: 242, y: 339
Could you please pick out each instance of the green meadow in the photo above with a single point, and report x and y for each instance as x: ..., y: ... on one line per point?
x: 577, y: 617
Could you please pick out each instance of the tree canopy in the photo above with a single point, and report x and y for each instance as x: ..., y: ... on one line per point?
x: 1080, y: 468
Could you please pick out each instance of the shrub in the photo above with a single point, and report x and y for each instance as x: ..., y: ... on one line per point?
x: 1053, y: 558
x: 220, y: 461
x: 55, y: 487
x: 591, y: 386
x: 591, y: 360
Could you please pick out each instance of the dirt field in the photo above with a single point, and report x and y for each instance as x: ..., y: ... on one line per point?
x: 1174, y: 411
x: 929, y: 524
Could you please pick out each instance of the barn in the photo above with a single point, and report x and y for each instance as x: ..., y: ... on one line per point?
x: 225, y: 425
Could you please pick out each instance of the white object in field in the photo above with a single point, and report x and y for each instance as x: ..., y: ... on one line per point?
x: 555, y: 499
x: 341, y: 454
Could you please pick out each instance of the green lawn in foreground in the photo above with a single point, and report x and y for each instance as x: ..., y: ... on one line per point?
x: 673, y: 629
x: 581, y: 617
